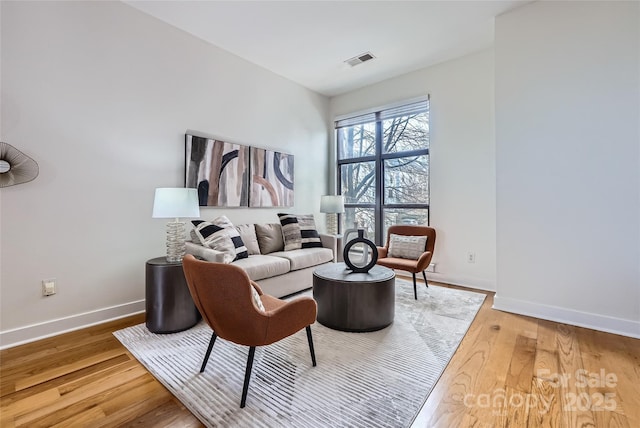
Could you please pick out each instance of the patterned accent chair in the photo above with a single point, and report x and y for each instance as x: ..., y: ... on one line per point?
x: 225, y: 297
x: 413, y: 265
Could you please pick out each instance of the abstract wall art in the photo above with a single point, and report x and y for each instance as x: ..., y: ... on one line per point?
x: 271, y: 179
x: 219, y: 170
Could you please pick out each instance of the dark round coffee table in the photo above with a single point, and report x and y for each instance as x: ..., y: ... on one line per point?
x: 356, y: 302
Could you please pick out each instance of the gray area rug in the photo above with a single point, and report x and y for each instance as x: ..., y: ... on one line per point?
x: 378, y: 379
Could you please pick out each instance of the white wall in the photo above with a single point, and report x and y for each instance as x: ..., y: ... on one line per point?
x: 462, y: 159
x: 568, y: 163
x: 100, y: 95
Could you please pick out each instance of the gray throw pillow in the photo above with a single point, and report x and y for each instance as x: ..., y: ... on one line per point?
x: 269, y: 237
x: 248, y: 235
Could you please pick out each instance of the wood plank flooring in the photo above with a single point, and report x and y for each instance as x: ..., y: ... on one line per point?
x: 509, y: 371
x: 516, y: 371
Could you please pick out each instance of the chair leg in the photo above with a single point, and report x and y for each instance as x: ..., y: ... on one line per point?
x: 424, y: 275
x: 415, y: 290
x: 313, y: 353
x: 247, y: 376
x: 206, y: 356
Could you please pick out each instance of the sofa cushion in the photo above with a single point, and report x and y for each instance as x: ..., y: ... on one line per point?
x: 306, y: 257
x: 248, y: 235
x: 299, y: 231
x: 262, y: 266
x: 407, y: 247
x: 211, y: 234
x: 269, y: 237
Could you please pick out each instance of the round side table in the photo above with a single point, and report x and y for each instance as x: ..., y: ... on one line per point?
x: 357, y: 302
x: 169, y: 305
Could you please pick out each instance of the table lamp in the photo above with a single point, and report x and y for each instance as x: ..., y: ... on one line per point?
x: 332, y: 205
x: 174, y: 203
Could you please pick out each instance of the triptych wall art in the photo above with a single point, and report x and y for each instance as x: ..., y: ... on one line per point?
x: 234, y: 175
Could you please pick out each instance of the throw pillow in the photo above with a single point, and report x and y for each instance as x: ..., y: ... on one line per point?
x: 256, y: 299
x: 269, y: 237
x: 407, y: 247
x: 290, y: 232
x: 248, y: 235
x: 211, y: 234
x: 308, y: 232
x: 299, y: 231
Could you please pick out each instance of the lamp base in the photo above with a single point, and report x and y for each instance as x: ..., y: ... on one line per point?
x: 332, y: 224
x: 175, y: 241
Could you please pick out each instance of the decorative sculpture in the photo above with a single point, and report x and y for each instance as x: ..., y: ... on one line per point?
x: 364, y: 265
x: 15, y: 166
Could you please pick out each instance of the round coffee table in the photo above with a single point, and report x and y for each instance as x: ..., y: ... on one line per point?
x: 356, y: 302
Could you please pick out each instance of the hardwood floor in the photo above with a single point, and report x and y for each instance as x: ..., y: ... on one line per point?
x: 517, y: 371
x: 84, y: 378
x: 509, y: 370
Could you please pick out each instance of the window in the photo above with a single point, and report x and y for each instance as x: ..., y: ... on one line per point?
x: 383, y: 168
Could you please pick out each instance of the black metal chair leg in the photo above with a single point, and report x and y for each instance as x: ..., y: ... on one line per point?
x: 424, y: 275
x: 313, y: 353
x: 247, y: 376
x: 206, y: 356
x: 415, y: 290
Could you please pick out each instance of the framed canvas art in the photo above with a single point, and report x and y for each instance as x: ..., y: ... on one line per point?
x: 271, y: 179
x: 219, y: 170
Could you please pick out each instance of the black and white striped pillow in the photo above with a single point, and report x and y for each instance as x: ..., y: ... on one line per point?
x: 299, y: 231
x: 211, y: 234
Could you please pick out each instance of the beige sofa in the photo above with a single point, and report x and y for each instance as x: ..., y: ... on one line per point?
x: 278, y: 272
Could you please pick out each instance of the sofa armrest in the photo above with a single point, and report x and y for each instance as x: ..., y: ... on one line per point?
x: 208, y: 254
x: 330, y: 242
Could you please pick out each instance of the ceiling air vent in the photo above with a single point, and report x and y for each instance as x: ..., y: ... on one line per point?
x: 367, y: 56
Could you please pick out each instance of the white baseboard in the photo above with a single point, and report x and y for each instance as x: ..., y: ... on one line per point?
x: 462, y: 281
x: 33, y: 332
x: 605, y: 323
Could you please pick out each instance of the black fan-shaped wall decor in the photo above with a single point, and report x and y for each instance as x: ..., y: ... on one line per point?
x: 15, y: 166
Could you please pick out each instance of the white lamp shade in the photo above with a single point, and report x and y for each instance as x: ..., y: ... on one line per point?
x: 176, y: 202
x: 332, y: 204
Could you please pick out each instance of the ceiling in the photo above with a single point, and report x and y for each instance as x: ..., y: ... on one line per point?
x: 308, y: 41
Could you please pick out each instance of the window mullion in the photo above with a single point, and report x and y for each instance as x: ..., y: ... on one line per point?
x: 378, y: 215
x: 407, y: 154
x: 357, y: 160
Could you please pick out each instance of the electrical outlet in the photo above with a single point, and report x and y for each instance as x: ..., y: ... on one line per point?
x: 431, y: 268
x: 48, y: 287
x: 471, y: 257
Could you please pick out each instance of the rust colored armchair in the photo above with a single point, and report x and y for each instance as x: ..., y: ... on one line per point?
x: 407, y: 264
x: 223, y: 295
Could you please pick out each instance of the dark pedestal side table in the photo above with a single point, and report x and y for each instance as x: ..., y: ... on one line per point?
x: 168, y: 302
x: 355, y: 302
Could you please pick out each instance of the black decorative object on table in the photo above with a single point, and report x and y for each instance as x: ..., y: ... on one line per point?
x: 365, y: 265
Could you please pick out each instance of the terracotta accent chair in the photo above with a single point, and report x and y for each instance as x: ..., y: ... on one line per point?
x: 222, y: 294
x: 413, y: 266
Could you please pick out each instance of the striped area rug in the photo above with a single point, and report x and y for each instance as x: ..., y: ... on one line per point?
x: 378, y: 379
